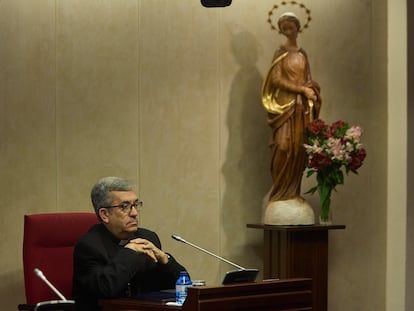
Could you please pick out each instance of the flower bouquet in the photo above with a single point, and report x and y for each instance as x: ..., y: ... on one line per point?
x: 332, y: 150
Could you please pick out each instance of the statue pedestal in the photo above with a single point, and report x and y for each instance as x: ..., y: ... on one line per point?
x: 298, y: 252
x: 289, y: 212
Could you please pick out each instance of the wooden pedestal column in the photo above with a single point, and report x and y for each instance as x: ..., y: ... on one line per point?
x: 298, y: 251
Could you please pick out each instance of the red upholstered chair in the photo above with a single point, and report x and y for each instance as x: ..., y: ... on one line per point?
x: 48, y: 244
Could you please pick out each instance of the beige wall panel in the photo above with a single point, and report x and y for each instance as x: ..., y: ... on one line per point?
x: 180, y: 129
x: 96, y: 104
x: 27, y: 131
x: 345, y: 68
x: 244, y: 133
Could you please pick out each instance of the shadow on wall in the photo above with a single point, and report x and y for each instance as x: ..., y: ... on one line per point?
x: 246, y: 164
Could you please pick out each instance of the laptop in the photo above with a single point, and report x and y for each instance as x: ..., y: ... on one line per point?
x: 240, y: 276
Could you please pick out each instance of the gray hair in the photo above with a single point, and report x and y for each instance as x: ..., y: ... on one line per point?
x: 101, y: 191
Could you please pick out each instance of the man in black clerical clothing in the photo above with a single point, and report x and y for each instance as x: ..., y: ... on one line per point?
x: 116, y: 258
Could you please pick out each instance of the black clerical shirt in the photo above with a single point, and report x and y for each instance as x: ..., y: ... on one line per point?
x: 105, y: 269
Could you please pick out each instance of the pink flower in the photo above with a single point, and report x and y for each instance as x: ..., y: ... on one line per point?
x: 354, y: 133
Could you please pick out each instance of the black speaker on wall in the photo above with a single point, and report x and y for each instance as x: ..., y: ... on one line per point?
x: 215, y: 3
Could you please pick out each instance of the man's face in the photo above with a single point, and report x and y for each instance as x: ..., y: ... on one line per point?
x: 122, y: 223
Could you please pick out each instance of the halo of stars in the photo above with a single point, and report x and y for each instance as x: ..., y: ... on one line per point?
x: 277, y: 6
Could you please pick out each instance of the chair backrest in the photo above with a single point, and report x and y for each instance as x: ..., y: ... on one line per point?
x: 48, y: 244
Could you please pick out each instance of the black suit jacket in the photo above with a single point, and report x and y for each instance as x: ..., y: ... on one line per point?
x: 105, y: 269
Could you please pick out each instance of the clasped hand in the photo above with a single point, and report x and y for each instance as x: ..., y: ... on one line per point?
x: 146, y: 247
x: 310, y: 93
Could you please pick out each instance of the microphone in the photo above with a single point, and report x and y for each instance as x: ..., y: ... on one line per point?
x: 231, y: 277
x: 44, y: 279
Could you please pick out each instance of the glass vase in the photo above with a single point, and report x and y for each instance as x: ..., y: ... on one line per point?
x: 325, y: 217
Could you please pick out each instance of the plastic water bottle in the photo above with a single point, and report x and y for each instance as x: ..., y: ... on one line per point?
x: 183, y: 282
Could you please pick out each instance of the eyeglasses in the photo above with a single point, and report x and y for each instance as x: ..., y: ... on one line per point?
x: 126, y: 207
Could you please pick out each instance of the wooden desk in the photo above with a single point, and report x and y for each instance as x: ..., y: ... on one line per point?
x: 298, y: 252
x: 279, y: 295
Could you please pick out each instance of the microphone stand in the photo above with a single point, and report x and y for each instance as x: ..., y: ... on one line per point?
x: 241, y: 275
x: 62, y: 304
x: 180, y: 239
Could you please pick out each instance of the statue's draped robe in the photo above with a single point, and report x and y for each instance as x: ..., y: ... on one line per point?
x: 289, y: 113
